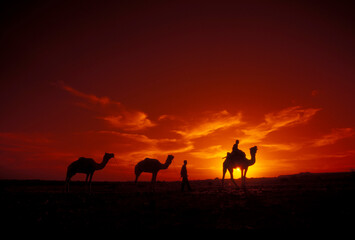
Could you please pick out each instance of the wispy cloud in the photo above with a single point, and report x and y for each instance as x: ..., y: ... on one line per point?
x: 274, y: 121
x: 151, y: 146
x: 138, y: 137
x: 282, y: 146
x: 313, y: 156
x: 212, y: 152
x: 167, y: 117
x: 209, y: 124
x: 336, y: 135
x: 325, y: 140
x: 115, y: 113
x: 89, y: 97
x: 129, y: 120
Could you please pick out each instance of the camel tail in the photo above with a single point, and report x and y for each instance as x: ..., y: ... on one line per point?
x: 67, y: 176
x: 137, y: 172
x: 67, y: 179
x: 224, y: 172
x: 70, y: 173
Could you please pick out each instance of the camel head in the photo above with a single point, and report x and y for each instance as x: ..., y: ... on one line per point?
x: 169, y: 159
x: 253, y: 150
x: 108, y: 156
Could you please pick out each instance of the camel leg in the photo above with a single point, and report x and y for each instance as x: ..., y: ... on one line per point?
x: 67, y: 184
x: 86, y: 185
x: 154, y: 178
x: 137, y: 176
x: 244, y: 176
x: 67, y: 180
x: 90, y: 181
x: 224, y: 173
x: 231, y: 173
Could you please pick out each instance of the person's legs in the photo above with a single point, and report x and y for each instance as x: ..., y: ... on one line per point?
x: 182, y: 184
x: 188, y: 185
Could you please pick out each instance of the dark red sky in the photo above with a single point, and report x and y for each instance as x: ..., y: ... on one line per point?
x: 144, y: 79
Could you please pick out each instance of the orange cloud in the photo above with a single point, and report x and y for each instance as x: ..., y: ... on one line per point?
x: 115, y: 112
x: 282, y: 147
x: 210, y: 124
x: 133, y: 120
x: 212, y: 152
x: 150, y: 147
x: 274, y: 121
x: 139, y: 137
x: 334, y: 136
x: 303, y: 157
x: 328, y: 139
x: 90, y: 97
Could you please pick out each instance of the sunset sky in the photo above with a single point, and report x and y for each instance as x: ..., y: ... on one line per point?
x: 151, y: 78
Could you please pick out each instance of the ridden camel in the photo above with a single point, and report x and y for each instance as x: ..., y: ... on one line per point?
x: 241, y: 163
x: 152, y: 166
x: 85, y: 165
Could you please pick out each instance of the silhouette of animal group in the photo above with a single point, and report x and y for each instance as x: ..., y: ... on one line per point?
x: 88, y: 166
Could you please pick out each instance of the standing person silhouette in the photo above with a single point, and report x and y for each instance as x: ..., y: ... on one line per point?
x: 183, y: 174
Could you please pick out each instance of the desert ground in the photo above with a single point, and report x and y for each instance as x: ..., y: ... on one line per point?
x: 319, y: 202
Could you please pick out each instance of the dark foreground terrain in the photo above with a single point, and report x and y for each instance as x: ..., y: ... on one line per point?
x: 318, y: 202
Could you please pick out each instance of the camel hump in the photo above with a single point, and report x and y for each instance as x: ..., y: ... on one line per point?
x: 150, y: 160
x: 239, y: 153
x: 84, y: 159
x: 236, y: 156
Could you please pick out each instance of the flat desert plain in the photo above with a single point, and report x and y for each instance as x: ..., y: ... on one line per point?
x: 304, y: 201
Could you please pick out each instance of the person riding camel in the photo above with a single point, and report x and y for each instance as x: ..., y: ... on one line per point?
x: 236, y: 153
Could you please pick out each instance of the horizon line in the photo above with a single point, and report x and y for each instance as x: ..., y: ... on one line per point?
x: 213, y: 179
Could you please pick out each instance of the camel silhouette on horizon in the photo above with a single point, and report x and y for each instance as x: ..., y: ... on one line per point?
x: 87, y: 166
x: 242, y: 163
x: 151, y: 166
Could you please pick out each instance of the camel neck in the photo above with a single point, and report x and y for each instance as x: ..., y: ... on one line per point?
x: 252, y: 160
x: 165, y: 165
x: 102, y: 164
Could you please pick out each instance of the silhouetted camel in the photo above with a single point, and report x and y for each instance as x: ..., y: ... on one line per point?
x: 85, y: 165
x: 151, y: 166
x: 241, y: 163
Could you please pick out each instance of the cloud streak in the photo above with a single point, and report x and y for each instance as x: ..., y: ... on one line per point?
x: 212, y: 152
x: 152, y: 147
x: 287, y: 117
x: 129, y: 120
x: 89, y: 97
x: 336, y: 135
x: 115, y: 113
x: 210, y: 124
